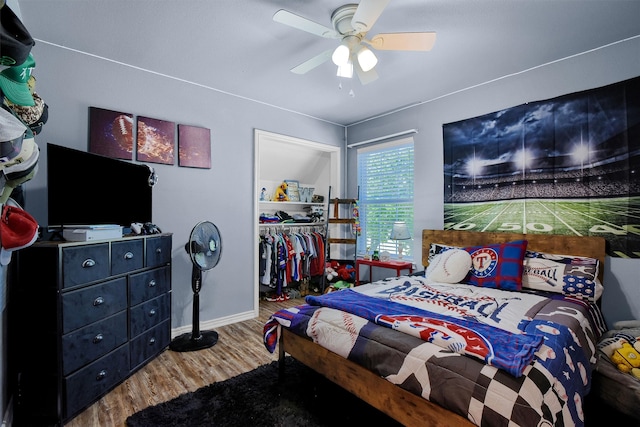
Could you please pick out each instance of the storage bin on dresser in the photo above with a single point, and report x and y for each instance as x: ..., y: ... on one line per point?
x: 82, y: 317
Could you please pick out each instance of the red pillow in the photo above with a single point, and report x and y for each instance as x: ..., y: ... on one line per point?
x: 497, y: 266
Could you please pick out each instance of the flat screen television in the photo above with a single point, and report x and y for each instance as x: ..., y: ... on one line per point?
x: 89, y: 189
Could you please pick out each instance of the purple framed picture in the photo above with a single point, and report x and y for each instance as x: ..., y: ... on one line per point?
x: 156, y: 141
x: 111, y: 133
x: 194, y: 147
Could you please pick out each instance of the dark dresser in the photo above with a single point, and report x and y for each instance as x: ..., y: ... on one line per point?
x: 82, y: 317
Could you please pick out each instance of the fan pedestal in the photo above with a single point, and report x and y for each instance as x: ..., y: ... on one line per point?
x: 196, y: 340
x: 186, y: 342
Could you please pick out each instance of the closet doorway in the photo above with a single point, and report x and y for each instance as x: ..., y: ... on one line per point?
x: 279, y: 158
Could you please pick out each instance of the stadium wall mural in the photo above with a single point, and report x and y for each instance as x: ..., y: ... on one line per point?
x: 567, y: 165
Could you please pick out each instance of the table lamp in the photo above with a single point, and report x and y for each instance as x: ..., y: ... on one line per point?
x: 399, y: 231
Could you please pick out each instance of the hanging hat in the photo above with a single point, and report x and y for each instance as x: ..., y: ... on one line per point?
x: 12, y: 132
x: 18, y: 174
x: 18, y: 230
x: 35, y: 116
x: 14, y: 82
x: 12, y: 184
x: 28, y: 145
x: 15, y: 40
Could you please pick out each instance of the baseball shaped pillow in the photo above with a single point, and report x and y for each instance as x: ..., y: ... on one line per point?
x: 450, y: 266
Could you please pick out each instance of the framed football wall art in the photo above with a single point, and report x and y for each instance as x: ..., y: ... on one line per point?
x: 194, y: 147
x: 111, y: 133
x: 156, y: 141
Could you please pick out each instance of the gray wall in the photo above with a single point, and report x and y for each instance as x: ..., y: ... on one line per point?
x: 621, y: 298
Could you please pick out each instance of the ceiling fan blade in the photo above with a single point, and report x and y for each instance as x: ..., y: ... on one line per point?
x: 403, y: 41
x: 313, y: 62
x: 367, y: 14
x: 291, y: 19
x: 365, y: 77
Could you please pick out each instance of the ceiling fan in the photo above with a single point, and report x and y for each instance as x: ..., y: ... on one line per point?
x: 351, y: 23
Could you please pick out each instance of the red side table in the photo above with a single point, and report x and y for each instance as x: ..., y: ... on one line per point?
x: 394, y: 265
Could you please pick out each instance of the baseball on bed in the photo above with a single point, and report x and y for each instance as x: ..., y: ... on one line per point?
x: 450, y: 266
x: 122, y: 131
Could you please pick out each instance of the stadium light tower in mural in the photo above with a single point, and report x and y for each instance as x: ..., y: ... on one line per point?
x: 474, y: 167
x: 581, y: 154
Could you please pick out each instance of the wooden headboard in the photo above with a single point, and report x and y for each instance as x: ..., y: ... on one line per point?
x: 589, y: 246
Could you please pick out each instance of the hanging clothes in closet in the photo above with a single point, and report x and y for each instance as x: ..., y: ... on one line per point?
x: 290, y: 256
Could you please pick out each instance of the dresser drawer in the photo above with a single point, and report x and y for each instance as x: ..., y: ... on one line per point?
x: 148, y: 285
x: 158, y: 251
x: 92, y: 381
x: 150, y: 343
x: 149, y: 314
x: 84, y: 264
x: 127, y: 255
x: 91, y: 342
x: 87, y: 305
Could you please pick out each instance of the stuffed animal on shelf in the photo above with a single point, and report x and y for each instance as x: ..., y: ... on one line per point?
x: 347, y: 272
x: 331, y: 270
x: 281, y: 193
x: 626, y: 358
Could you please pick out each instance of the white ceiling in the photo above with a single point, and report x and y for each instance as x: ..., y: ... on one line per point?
x: 234, y: 46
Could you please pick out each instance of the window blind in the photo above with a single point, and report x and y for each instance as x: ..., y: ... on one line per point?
x: 385, y: 179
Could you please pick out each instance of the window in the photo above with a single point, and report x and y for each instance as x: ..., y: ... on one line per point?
x: 385, y: 179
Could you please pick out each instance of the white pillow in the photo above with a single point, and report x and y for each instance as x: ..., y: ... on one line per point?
x: 450, y: 266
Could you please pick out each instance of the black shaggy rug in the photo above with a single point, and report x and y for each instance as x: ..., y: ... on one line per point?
x: 258, y: 398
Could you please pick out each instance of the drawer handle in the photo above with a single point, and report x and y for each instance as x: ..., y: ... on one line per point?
x: 98, y: 301
x: 101, y: 375
x: 87, y: 263
x: 152, y: 283
x: 128, y: 255
x: 159, y: 251
x: 152, y: 312
x: 98, y: 338
x: 152, y: 341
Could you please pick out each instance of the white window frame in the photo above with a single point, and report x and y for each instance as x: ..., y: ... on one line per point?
x: 403, y: 209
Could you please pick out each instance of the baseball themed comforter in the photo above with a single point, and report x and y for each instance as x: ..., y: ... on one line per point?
x: 493, y: 356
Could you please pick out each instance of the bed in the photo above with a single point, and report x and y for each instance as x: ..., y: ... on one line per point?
x: 512, y: 347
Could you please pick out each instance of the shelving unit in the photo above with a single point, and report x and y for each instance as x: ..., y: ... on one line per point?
x: 336, y: 219
x: 344, y: 224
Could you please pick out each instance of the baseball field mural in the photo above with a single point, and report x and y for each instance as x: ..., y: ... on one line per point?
x: 567, y: 165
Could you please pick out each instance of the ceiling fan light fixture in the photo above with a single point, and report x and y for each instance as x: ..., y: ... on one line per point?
x: 345, y: 70
x: 366, y: 59
x: 341, y: 55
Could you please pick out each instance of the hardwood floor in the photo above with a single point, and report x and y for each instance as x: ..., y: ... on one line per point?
x: 239, y: 349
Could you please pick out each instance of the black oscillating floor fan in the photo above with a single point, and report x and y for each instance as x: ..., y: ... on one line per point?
x: 204, y: 247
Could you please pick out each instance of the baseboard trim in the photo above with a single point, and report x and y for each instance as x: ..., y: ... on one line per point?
x: 212, y: 324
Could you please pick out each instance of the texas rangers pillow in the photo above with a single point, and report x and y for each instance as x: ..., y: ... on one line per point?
x: 497, y: 266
